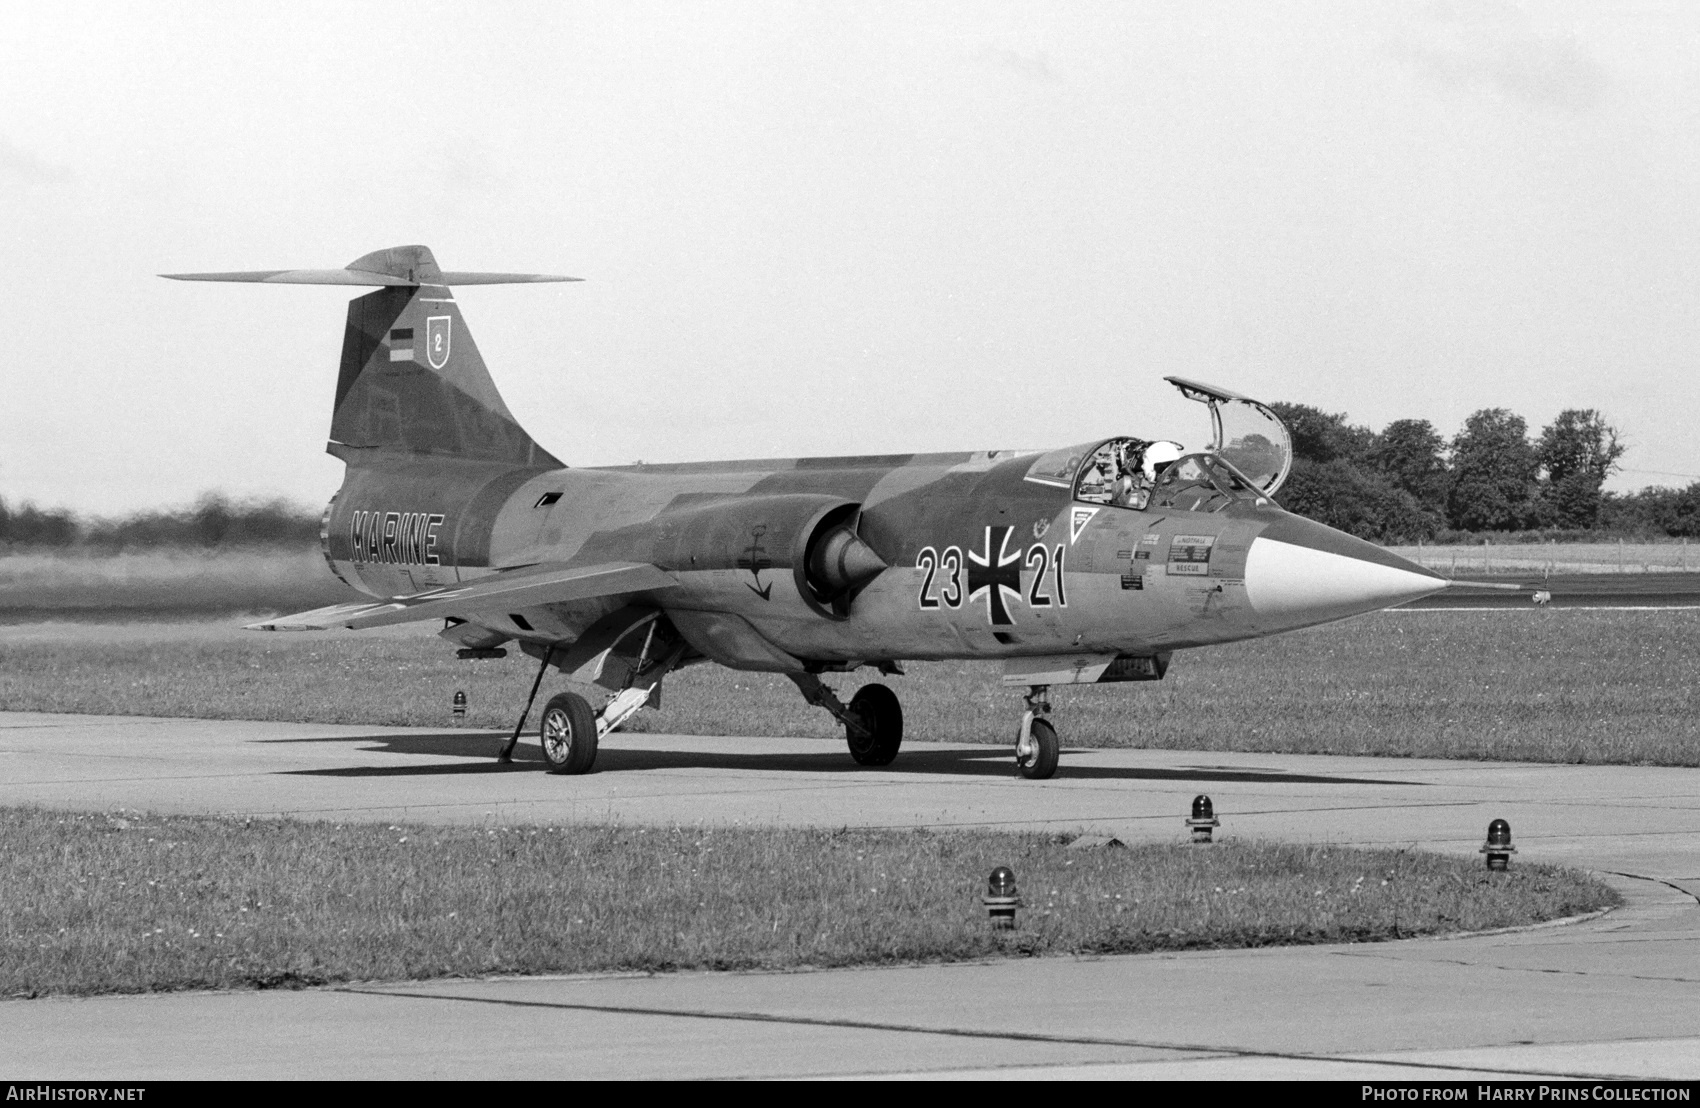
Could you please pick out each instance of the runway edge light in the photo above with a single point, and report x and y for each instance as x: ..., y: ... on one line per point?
x: 1498, y: 847
x: 1203, y: 819
x: 460, y: 703
x: 1001, y: 899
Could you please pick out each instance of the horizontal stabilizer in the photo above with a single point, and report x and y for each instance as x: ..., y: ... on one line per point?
x: 407, y: 266
x: 500, y: 592
x: 363, y: 277
x: 458, y: 277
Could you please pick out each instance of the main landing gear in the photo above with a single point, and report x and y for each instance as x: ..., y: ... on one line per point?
x: 571, y: 731
x: 1036, y: 747
x: 873, y: 720
x: 569, y: 734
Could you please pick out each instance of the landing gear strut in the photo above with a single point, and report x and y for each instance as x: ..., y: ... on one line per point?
x: 641, y: 688
x: 507, y: 753
x: 571, y: 730
x: 873, y: 721
x: 1036, y: 748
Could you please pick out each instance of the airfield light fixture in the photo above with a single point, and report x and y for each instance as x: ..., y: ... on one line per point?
x: 460, y: 703
x: 1203, y: 819
x: 1498, y: 847
x: 1001, y: 899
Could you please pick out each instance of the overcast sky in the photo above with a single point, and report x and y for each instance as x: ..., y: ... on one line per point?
x: 844, y: 228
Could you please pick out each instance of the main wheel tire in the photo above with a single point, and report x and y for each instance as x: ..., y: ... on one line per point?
x: 1043, y: 761
x: 877, y: 707
x: 568, y: 734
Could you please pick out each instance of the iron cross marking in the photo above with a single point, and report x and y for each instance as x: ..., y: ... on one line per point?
x: 995, y: 574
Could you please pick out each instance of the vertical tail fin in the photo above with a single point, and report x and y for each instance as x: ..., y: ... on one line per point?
x: 412, y: 381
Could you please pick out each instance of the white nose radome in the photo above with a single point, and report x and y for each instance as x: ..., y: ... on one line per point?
x: 1300, y: 584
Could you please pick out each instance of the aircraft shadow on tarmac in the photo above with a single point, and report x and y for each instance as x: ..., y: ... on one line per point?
x: 993, y: 761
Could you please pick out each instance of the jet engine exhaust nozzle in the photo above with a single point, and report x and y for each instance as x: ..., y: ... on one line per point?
x: 840, y: 561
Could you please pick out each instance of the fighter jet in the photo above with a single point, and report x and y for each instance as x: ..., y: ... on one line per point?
x: 1087, y: 564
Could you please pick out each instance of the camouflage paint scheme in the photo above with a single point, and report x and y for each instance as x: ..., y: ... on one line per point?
x: 450, y: 509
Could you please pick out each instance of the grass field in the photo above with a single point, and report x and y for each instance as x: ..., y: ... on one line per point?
x: 1529, y: 684
x: 170, y: 581
x: 1573, y: 557
x: 98, y: 903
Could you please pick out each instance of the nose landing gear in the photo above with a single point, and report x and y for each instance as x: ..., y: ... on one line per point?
x: 1036, y: 748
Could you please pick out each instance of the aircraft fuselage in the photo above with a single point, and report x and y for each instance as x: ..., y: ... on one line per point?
x: 983, y: 563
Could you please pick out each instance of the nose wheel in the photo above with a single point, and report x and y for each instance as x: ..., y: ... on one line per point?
x: 1036, y: 748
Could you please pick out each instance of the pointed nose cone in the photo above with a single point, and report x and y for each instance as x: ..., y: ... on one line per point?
x: 1299, y: 572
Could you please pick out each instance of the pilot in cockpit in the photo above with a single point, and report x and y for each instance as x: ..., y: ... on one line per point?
x: 1123, y: 472
x: 1130, y: 489
x: 1115, y: 475
x: 1097, y: 480
x: 1158, y: 456
x: 1138, y: 464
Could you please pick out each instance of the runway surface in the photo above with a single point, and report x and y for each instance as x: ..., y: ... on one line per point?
x: 1617, y: 996
x: 1569, y: 590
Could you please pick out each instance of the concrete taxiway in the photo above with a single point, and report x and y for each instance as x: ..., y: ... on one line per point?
x: 1613, y: 997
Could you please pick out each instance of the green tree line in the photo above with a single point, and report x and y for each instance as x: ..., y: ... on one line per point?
x: 1407, y: 482
x: 212, y: 521
x: 1402, y: 483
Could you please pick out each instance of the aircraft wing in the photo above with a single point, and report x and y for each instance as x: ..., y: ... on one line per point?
x: 504, y: 591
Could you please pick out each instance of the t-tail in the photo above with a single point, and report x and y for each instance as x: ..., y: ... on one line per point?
x: 412, y: 381
x: 432, y: 450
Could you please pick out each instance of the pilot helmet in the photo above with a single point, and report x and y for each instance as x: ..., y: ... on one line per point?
x: 1158, y: 455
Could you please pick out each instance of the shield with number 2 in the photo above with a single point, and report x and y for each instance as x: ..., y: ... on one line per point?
x: 437, y: 341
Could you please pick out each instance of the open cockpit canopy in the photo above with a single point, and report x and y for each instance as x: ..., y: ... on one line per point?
x: 1248, y: 459
x: 1248, y: 436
